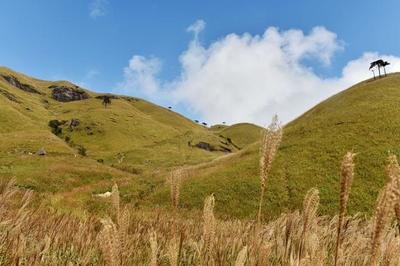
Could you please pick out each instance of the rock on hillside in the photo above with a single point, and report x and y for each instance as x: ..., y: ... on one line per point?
x: 68, y: 94
x: 16, y: 83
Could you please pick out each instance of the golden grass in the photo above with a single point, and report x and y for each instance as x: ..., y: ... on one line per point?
x: 39, y: 237
x: 175, y: 180
x: 347, y: 175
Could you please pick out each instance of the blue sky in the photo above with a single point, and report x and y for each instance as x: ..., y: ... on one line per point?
x: 91, y: 43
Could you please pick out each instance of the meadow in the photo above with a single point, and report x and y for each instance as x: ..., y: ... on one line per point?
x: 132, y: 236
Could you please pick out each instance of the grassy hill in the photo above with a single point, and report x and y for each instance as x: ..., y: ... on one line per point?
x: 91, y: 146
x: 136, y: 144
x: 364, y: 119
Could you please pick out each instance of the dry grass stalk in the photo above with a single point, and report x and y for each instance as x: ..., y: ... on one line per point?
x: 271, y: 139
x: 242, y: 257
x: 109, y: 242
x: 123, y: 234
x: 173, y: 252
x: 347, y: 175
x: 393, y: 171
x: 208, y: 227
x: 115, y: 201
x: 175, y: 180
x: 310, y: 206
x: 387, y: 200
x: 153, y: 248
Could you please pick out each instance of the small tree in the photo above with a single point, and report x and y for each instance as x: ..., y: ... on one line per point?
x: 384, y: 64
x: 106, y: 100
x: 379, y: 63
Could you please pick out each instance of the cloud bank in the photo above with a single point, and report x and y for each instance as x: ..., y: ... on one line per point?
x: 250, y: 78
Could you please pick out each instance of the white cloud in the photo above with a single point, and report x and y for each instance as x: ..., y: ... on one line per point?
x: 140, y: 76
x: 251, y: 77
x: 98, y: 8
x: 197, y: 27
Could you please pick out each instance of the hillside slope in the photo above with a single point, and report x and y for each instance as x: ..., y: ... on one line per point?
x: 129, y: 139
x: 136, y: 143
x: 364, y: 119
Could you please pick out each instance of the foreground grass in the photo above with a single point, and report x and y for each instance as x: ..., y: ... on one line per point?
x: 134, y: 237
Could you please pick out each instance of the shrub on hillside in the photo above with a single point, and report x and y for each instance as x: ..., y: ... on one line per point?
x: 55, y: 127
x: 81, y: 150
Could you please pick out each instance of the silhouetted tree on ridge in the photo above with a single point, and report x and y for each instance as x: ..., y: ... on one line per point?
x: 379, y: 63
x: 106, y: 100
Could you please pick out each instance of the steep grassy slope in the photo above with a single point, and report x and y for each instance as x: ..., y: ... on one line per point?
x: 364, y: 119
x: 127, y: 141
x: 129, y: 131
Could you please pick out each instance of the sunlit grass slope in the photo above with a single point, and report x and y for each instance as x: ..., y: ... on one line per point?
x: 130, y: 139
x: 364, y: 119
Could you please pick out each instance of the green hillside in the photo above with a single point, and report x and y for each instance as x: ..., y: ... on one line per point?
x: 242, y: 134
x: 136, y: 144
x: 128, y: 140
x: 364, y: 119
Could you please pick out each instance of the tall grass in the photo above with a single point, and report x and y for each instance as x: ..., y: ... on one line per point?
x: 270, y: 141
x: 347, y: 175
x: 175, y: 179
x: 29, y: 237
x: 136, y: 237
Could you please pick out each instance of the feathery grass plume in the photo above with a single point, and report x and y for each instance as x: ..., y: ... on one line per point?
x: 123, y: 234
x: 271, y: 139
x: 153, y: 247
x: 109, y: 242
x: 173, y: 252
x: 290, y: 225
x: 387, y: 200
x: 310, y: 206
x: 393, y: 171
x: 115, y: 201
x: 347, y: 175
x: 242, y: 257
x: 175, y: 180
x: 208, y: 227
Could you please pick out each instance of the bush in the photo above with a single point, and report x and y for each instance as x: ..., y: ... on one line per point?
x: 81, y: 150
x: 55, y: 126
